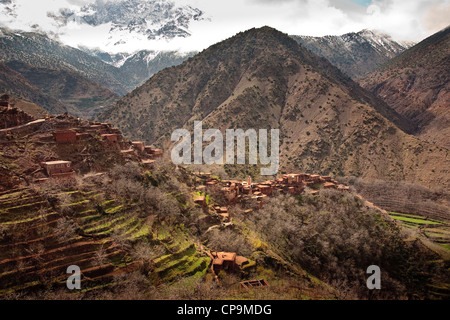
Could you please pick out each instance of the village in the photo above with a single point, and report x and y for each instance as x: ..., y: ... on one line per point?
x: 67, y: 130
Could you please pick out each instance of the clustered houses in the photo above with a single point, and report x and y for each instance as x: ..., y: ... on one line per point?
x: 255, y: 194
x: 112, y: 137
x: 239, y: 191
x: 236, y: 191
x: 67, y: 130
x: 148, y: 153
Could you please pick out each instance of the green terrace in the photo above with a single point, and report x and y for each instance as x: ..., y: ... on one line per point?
x: 37, y: 250
x: 414, y: 221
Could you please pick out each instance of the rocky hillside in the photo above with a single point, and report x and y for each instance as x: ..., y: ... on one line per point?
x: 40, y: 51
x: 416, y: 84
x: 83, y: 97
x: 35, y: 111
x: 263, y: 79
x: 355, y: 54
x: 139, y: 232
x: 15, y: 84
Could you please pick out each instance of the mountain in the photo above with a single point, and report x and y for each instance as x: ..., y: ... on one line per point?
x: 30, y: 108
x: 416, y: 84
x: 130, y: 20
x: 263, y: 79
x: 15, y: 84
x: 39, y: 51
x: 141, y: 66
x: 83, y: 97
x: 114, y: 59
x: 355, y: 54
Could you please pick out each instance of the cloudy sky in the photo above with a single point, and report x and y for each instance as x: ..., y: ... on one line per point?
x: 411, y: 20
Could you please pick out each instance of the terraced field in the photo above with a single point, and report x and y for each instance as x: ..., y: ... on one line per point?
x: 40, y: 239
x: 435, y: 230
x: 435, y: 235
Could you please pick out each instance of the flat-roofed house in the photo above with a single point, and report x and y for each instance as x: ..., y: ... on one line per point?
x: 110, y: 137
x: 139, y: 145
x: 223, y: 261
x: 58, y: 169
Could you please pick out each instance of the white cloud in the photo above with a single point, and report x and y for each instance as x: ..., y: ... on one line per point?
x: 403, y: 19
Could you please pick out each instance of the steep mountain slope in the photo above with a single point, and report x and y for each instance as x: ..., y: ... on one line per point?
x: 15, y: 84
x: 355, y: 54
x: 417, y: 85
x: 263, y: 79
x: 142, y: 65
x: 39, y: 51
x: 83, y: 97
x: 114, y: 59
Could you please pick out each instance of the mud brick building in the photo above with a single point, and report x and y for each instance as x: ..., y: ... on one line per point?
x: 153, y: 153
x: 200, y: 200
x: 157, y: 153
x: 223, y: 261
x: 110, y: 138
x: 139, y: 145
x: 329, y: 185
x: 58, y: 169
x: 65, y: 136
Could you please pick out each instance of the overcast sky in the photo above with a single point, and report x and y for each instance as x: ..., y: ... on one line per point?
x: 403, y: 19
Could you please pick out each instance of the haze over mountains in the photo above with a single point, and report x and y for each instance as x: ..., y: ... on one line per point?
x: 262, y: 79
x: 84, y: 83
x: 134, y: 20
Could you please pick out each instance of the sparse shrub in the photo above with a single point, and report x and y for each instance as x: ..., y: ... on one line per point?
x: 229, y: 241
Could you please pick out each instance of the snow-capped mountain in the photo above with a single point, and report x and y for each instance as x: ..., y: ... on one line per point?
x: 138, y: 67
x: 114, y: 59
x: 144, y: 64
x: 355, y: 53
x: 114, y: 26
x: 8, y: 8
x: 152, y: 19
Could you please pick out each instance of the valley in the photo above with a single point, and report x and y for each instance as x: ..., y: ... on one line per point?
x: 125, y: 156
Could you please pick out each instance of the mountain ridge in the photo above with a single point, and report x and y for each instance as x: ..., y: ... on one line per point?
x: 416, y: 84
x: 355, y: 53
x: 262, y: 78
